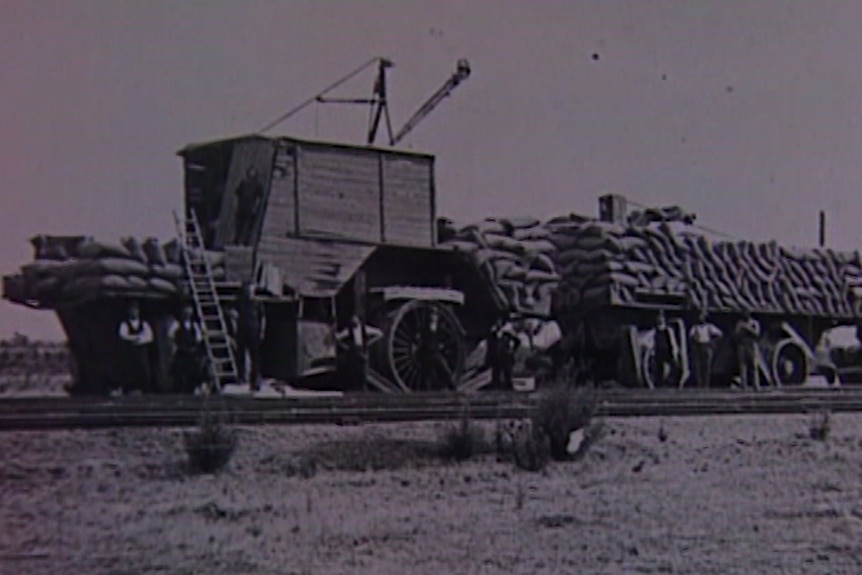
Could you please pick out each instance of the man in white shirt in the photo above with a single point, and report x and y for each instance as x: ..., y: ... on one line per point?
x: 748, y: 349
x: 137, y: 336
x: 703, y: 336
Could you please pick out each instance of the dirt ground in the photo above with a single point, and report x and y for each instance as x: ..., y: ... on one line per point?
x: 34, y: 384
x: 717, y: 495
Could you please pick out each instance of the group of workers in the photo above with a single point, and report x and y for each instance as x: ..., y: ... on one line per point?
x: 703, y: 337
x: 189, y: 363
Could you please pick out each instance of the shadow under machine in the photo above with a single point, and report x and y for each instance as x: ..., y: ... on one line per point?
x: 341, y: 231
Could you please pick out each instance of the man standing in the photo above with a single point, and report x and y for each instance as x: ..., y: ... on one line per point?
x: 357, y: 358
x: 747, y: 335
x: 249, y: 196
x: 492, y: 352
x: 666, y: 352
x: 508, y: 343
x: 824, y: 358
x: 137, y: 337
x: 357, y: 338
x: 703, y: 336
x: 429, y: 351
x: 186, y: 337
x: 252, y: 325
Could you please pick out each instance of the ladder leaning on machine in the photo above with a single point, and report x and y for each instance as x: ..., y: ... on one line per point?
x: 221, y: 361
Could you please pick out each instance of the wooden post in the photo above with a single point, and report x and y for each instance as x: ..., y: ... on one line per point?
x: 822, y: 228
x: 359, y: 295
x: 359, y: 290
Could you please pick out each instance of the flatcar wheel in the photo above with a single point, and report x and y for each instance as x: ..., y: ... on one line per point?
x: 415, y: 361
x: 789, y: 363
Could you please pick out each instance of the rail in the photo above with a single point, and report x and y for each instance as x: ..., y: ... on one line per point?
x: 163, y: 411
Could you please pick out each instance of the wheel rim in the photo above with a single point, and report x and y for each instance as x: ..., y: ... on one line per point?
x: 789, y: 363
x: 647, y: 369
x: 406, y: 343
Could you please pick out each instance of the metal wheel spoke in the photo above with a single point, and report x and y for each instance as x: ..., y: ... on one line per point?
x: 407, y: 327
x: 413, y: 376
x: 403, y: 362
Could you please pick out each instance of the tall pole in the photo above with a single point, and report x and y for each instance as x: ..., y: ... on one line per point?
x: 822, y: 228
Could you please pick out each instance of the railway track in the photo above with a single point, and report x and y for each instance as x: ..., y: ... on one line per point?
x: 18, y: 414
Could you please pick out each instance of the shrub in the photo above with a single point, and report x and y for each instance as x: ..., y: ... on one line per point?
x: 530, y: 447
x: 561, y: 411
x: 463, y: 441
x: 820, y: 426
x: 211, y: 446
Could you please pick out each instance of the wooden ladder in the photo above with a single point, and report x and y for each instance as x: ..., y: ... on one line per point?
x: 222, y: 363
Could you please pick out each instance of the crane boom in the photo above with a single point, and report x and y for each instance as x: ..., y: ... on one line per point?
x: 461, y: 74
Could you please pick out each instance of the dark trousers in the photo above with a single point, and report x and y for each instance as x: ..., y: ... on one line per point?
x: 138, y: 374
x: 702, y: 357
x: 243, y: 227
x: 357, y: 368
x: 662, y: 359
x: 251, y: 345
x: 187, y: 371
x: 503, y: 367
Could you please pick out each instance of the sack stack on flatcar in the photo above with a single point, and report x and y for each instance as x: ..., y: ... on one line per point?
x: 604, y: 263
x: 67, y: 270
x: 516, y: 257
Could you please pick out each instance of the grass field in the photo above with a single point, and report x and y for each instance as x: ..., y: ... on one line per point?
x: 688, y: 495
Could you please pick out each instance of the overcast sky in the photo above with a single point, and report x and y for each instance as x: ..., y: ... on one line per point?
x: 745, y: 112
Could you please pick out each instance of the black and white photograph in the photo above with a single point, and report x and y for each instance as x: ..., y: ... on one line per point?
x: 296, y: 287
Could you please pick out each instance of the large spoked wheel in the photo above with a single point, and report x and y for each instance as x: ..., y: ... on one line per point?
x: 416, y: 359
x: 789, y: 363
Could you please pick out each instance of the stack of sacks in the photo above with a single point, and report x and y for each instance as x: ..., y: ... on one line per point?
x: 71, y: 269
x: 598, y: 259
x: 514, y: 254
x: 658, y: 215
x: 766, y: 277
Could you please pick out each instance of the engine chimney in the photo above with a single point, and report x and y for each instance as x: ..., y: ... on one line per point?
x: 613, y: 208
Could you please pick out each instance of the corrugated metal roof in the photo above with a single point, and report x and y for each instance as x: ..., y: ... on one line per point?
x: 314, y: 268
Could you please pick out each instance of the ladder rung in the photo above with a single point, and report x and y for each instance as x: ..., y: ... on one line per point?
x: 203, y: 287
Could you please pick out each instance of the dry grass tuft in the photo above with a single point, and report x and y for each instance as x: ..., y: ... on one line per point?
x: 465, y: 440
x: 561, y: 411
x: 821, y: 426
x: 211, y: 446
x: 531, y: 447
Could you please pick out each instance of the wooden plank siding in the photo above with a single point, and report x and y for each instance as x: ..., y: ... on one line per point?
x: 339, y: 193
x: 327, y: 191
x: 313, y: 267
x: 407, y: 206
x: 281, y: 216
x: 257, y: 153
